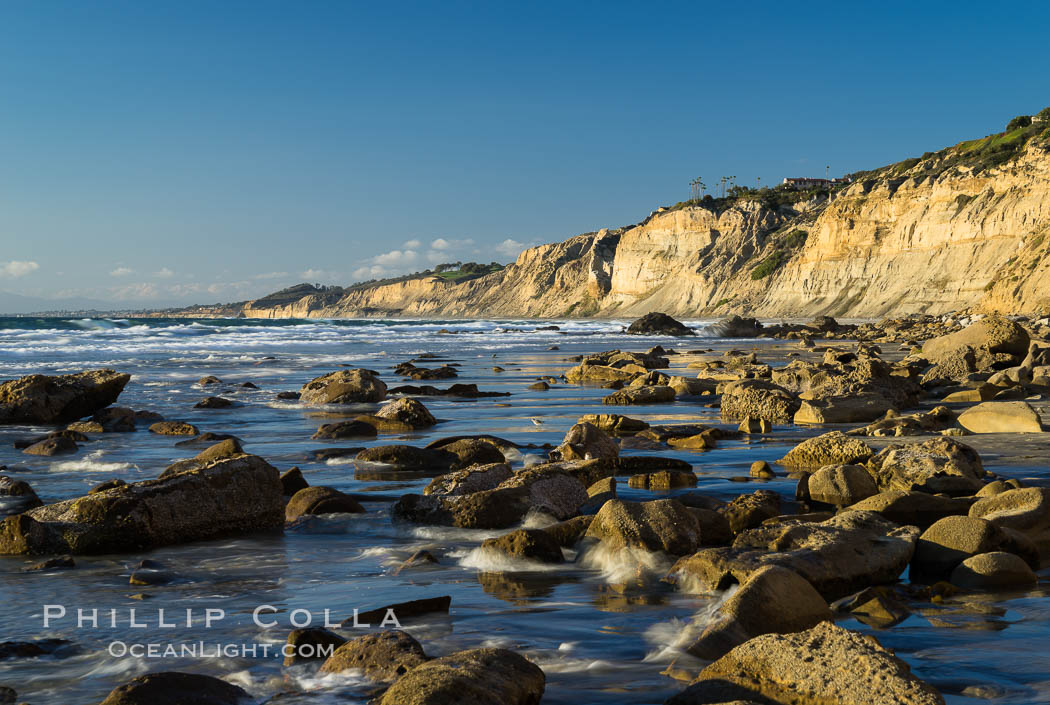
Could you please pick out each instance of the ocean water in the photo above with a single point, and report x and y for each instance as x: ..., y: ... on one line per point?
x: 603, y: 627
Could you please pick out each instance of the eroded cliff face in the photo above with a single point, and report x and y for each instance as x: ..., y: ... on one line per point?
x: 900, y: 241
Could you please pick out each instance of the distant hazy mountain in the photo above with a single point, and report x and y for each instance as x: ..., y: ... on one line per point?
x: 16, y: 303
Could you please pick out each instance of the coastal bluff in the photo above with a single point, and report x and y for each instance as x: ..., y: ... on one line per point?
x: 930, y: 235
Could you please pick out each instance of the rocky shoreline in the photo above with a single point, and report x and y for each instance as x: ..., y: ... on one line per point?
x: 894, y: 513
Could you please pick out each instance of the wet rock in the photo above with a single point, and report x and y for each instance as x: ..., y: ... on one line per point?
x: 402, y: 611
x: 228, y: 496
x: 660, y: 525
x: 753, y: 424
x: 55, y: 445
x: 209, y: 379
x: 938, y: 465
x: 8, y: 696
x: 343, y: 387
x: 701, y: 441
x: 758, y: 398
x: 311, y: 644
x: 462, y: 391
x: 174, y: 428
x: 568, y: 533
x: 320, y: 500
x: 409, y: 412
x: 994, y: 334
x: 170, y: 688
x: 614, y: 424
x: 86, y: 427
x: 949, y: 542
x: 663, y: 480
x: 383, y: 657
x: 113, y: 484
x: 469, y: 480
x: 528, y: 544
x: 995, y: 570
x: 838, y: 556
x: 737, y: 327
x: 918, y: 508
x: 586, y: 442
x: 60, y: 563
x: 292, y: 481
x: 207, y: 439
x: 405, y: 457
x: 32, y: 649
x: 422, y: 373
x: 877, y: 607
x: 1026, y: 510
x: 547, y: 489
x: 658, y: 324
x: 51, y: 400
x: 25, y: 497
x: 345, y: 429
x: 761, y: 469
x: 539, y: 386
x: 826, y: 664
x: 475, y: 677
x: 473, y: 451
x: 772, y: 600
x: 749, y: 510
x: 936, y: 420
x: 419, y: 559
x: 115, y: 419
x: 834, y: 448
x: 843, y: 409
x: 1001, y: 417
x: 841, y: 485
x: 213, y: 403
x: 657, y: 394
x: 229, y: 448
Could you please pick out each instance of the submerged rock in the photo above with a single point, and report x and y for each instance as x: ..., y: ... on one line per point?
x: 320, y: 500
x: 50, y: 400
x: 170, y: 688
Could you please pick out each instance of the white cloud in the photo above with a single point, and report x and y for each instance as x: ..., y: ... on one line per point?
x: 413, y: 245
x: 121, y: 272
x: 322, y: 276
x: 164, y: 273
x: 510, y: 248
x: 16, y: 268
x: 271, y: 275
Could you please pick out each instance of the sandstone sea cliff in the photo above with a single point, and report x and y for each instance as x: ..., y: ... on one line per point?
x: 960, y: 228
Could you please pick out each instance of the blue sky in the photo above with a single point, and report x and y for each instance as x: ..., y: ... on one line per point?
x: 177, y: 152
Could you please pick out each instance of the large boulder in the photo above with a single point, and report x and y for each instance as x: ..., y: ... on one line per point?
x: 1026, y: 509
x: 771, y: 600
x: 527, y: 544
x: 469, y: 480
x: 474, y: 677
x: 409, y: 412
x: 841, y: 485
x: 170, y: 688
x: 759, y: 399
x: 343, y: 387
x: 834, y: 448
x: 313, y: 501
x: 843, y: 409
x: 939, y: 465
x: 824, y: 665
x: 586, y: 442
x: 660, y: 525
x: 51, y: 400
x: 548, y: 489
x: 918, y: 508
x: 995, y: 570
x: 839, y: 556
x: 227, y: 496
x: 405, y: 457
x: 653, y: 394
x: 383, y: 656
x: 737, y: 327
x: 615, y: 424
x: 995, y: 334
x: 658, y: 324
x: 1001, y: 417
x: 949, y: 542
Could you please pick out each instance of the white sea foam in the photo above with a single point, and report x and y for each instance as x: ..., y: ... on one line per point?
x: 491, y: 560
x: 92, y: 462
x: 672, y: 637
x: 621, y: 565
